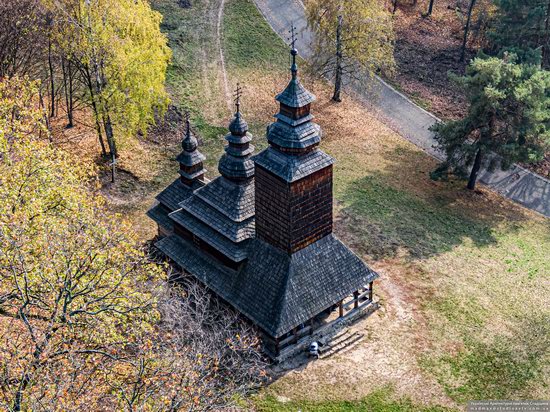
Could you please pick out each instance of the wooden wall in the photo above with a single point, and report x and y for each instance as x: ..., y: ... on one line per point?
x: 291, y: 216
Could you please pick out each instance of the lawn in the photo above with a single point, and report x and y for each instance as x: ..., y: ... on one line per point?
x: 465, y: 276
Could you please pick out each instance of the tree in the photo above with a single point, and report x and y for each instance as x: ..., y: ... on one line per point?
x: 107, y: 54
x: 86, y: 323
x: 122, y: 57
x: 508, y: 116
x: 71, y: 277
x: 523, y: 27
x: 352, y: 37
x: 467, y: 29
x: 430, y: 8
x: 210, y: 354
x: 21, y: 37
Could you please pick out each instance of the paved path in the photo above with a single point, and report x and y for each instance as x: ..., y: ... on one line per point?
x: 410, y: 120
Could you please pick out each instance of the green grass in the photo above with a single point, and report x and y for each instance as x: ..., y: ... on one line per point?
x: 505, y: 367
x: 381, y: 400
x: 490, y: 263
x: 248, y: 41
x: 400, y: 220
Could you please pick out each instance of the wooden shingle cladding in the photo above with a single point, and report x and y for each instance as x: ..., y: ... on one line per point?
x: 276, y: 291
x: 168, y: 201
x: 205, y: 247
x: 292, y: 215
x: 219, y: 216
x: 260, y: 235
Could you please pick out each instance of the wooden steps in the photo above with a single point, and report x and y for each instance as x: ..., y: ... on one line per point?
x: 341, y: 342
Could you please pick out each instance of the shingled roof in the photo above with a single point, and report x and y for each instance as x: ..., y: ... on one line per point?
x: 175, y: 193
x: 291, y: 168
x: 159, y: 214
x: 190, y: 159
x: 275, y: 290
x: 295, y: 95
x: 234, y: 201
x: 221, y: 213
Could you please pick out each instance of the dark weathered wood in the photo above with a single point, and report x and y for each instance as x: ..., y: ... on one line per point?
x: 295, y: 335
x: 205, y: 247
x: 293, y: 215
x: 341, y: 308
x: 356, y: 300
x: 370, y: 291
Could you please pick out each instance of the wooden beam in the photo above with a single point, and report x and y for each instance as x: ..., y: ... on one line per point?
x: 296, y: 334
x: 277, y: 347
x: 341, y: 308
x: 356, y: 299
x: 370, y: 291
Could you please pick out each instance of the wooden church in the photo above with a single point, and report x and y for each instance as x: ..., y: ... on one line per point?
x: 260, y: 235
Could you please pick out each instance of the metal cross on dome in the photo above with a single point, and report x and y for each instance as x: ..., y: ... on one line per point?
x: 238, y: 93
x: 293, y: 51
x: 293, y: 36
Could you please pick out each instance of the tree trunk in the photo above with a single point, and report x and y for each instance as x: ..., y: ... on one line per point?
x: 545, y: 44
x: 68, y: 87
x: 52, y: 85
x: 338, y: 80
x: 467, y: 29
x: 87, y: 74
x: 430, y: 8
x: 19, y: 394
x: 475, y: 169
x: 479, y: 155
x: 45, y: 116
x: 108, y: 126
x: 112, y: 145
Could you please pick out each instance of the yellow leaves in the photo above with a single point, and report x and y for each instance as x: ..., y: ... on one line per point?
x: 122, y: 39
x: 367, y: 31
x: 20, y: 116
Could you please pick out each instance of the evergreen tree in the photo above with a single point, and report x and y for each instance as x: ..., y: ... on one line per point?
x: 508, y: 115
x: 523, y: 27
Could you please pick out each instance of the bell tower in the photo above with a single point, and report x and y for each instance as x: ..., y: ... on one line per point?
x: 293, y: 176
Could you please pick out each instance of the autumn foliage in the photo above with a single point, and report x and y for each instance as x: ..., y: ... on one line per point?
x: 86, y: 320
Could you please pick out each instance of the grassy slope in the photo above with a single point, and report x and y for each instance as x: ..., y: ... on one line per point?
x: 475, y: 266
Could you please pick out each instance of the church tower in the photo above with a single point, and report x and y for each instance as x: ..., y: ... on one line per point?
x: 219, y: 216
x: 190, y: 159
x: 293, y: 176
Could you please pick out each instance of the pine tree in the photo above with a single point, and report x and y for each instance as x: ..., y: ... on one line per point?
x: 523, y: 27
x: 350, y: 35
x: 508, y: 115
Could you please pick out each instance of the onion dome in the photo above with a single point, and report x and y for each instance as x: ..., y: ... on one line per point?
x: 190, y: 159
x: 294, y: 132
x: 236, y: 164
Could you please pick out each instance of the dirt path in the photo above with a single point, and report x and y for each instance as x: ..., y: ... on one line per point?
x: 214, y: 80
x: 219, y: 25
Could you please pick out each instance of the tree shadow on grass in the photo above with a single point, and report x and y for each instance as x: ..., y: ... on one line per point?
x: 399, y: 209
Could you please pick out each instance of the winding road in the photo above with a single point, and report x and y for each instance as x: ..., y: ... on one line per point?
x: 409, y: 120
